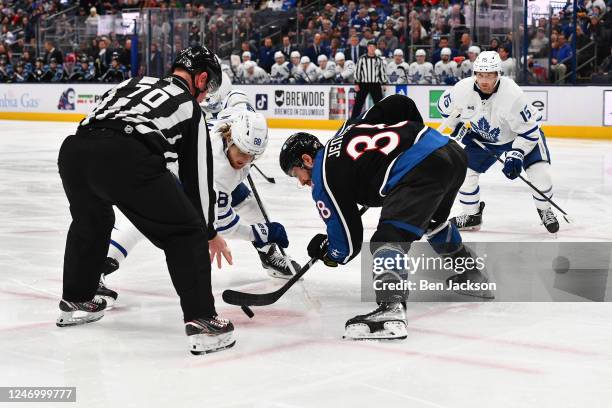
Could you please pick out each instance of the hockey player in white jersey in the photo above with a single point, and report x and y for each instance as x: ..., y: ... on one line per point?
x: 397, y: 68
x: 254, y: 74
x: 345, y: 70
x: 445, y: 70
x: 421, y: 72
x: 327, y: 69
x: 239, y: 136
x: 497, y: 114
x: 296, y: 68
x: 466, y: 67
x: 240, y: 71
x: 309, y: 72
x: 508, y: 64
x: 280, y: 71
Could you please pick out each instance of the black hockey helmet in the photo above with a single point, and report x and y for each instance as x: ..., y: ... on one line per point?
x: 294, y: 147
x: 198, y: 59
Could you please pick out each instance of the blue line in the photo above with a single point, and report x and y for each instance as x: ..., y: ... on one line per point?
x: 119, y: 247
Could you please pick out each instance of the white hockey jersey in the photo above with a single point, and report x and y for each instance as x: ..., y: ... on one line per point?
x: 346, y: 72
x: 329, y: 73
x: 465, y: 69
x: 279, y: 74
x: 398, y: 73
x: 259, y: 76
x: 504, y: 117
x: 421, y: 73
x: 310, y: 75
x: 446, y: 72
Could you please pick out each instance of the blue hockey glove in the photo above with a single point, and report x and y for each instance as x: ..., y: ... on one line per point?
x: 317, y: 248
x: 269, y: 233
x: 513, y: 164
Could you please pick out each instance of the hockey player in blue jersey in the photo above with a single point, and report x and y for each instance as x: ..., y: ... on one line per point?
x: 496, y: 112
x: 387, y: 158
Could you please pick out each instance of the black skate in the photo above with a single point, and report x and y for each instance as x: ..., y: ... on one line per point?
x: 76, y: 313
x: 110, y: 266
x: 109, y: 295
x: 549, y: 219
x: 209, y: 334
x: 387, y: 322
x: 465, y: 222
x: 276, y: 265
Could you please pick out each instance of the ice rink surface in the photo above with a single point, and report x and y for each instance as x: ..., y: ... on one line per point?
x: 291, y: 354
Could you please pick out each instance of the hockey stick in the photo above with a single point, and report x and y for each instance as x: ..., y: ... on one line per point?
x: 268, y: 179
x: 534, y: 188
x: 243, y: 299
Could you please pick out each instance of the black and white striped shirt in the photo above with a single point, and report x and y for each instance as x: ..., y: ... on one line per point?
x: 371, y: 70
x: 164, y: 115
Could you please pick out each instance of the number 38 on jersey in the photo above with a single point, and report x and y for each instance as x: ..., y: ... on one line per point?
x: 384, y: 142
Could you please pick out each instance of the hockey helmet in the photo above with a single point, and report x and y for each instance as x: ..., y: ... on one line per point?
x: 278, y: 55
x: 446, y: 51
x: 235, y: 98
x: 339, y: 56
x: 305, y: 60
x: 488, y: 61
x: 294, y: 147
x: 474, y: 49
x: 250, y: 133
x: 198, y: 59
x: 420, y: 53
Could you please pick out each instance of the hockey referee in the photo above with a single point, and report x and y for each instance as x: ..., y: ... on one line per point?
x: 370, y: 76
x: 146, y: 149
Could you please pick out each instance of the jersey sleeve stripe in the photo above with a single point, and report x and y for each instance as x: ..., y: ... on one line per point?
x: 225, y: 228
x: 533, y: 129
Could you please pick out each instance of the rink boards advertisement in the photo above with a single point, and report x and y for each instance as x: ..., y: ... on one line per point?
x: 566, y: 111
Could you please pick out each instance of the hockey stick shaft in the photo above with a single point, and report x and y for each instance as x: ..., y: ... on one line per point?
x: 268, y: 179
x: 534, y: 188
x: 234, y: 297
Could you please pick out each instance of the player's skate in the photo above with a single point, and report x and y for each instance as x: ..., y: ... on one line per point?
x: 76, y: 313
x: 549, y: 219
x: 387, y: 322
x: 463, y: 284
x: 110, y: 266
x: 466, y: 222
x: 109, y: 295
x: 209, y: 334
x: 275, y: 264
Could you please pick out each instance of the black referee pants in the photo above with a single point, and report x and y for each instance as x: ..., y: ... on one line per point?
x: 100, y: 168
x: 364, y: 89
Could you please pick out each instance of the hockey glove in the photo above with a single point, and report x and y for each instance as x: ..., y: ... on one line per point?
x: 269, y: 233
x: 513, y: 164
x: 317, y: 248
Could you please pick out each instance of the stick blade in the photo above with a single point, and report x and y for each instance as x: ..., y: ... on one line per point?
x: 233, y: 297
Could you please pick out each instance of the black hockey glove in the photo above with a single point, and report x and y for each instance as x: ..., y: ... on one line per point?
x: 317, y: 248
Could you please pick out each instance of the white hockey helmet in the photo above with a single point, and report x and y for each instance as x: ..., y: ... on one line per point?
x: 474, y: 49
x: 278, y: 55
x: 446, y: 51
x: 397, y: 52
x: 420, y: 53
x: 295, y: 54
x: 213, y: 102
x: 339, y: 56
x: 246, y: 54
x: 250, y: 133
x: 305, y: 60
x: 378, y: 53
x: 321, y: 58
x: 487, y: 61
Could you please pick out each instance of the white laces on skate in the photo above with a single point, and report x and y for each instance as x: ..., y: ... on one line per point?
x: 462, y: 219
x: 548, y: 217
x: 277, y: 260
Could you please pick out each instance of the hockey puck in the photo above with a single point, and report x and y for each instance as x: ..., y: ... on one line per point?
x: 247, y: 311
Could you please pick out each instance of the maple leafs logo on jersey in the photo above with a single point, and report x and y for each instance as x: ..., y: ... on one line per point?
x: 393, y: 77
x: 417, y: 76
x: 483, y: 128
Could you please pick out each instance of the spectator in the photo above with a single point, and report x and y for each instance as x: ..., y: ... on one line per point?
x: 455, y: 17
x: 194, y: 35
x: 266, y: 55
x: 327, y: 69
x: 156, y: 62
x: 361, y: 20
x: 367, y: 36
x: 103, y: 59
x: 125, y: 56
x: 391, y: 40
x: 91, y: 22
x: 316, y: 48
x: 6, y: 70
x: 418, y: 34
x: 28, y: 30
x: 355, y: 50
x: 443, y: 43
x: 494, y: 44
x: 52, y: 52
x: 465, y: 44
x: 508, y: 64
x: 561, y: 59
x: 280, y: 71
x: 381, y: 46
x: 345, y: 69
x: 538, y: 46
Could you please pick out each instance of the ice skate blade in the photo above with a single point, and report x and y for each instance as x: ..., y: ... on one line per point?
x: 395, y: 330
x: 206, y: 344
x: 67, y: 319
x: 273, y: 273
x: 474, y: 228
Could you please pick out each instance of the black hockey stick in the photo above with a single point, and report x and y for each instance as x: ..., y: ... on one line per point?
x: 534, y: 188
x: 243, y: 299
x: 268, y: 179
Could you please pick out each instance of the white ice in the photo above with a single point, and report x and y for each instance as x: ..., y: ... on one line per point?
x: 291, y: 354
